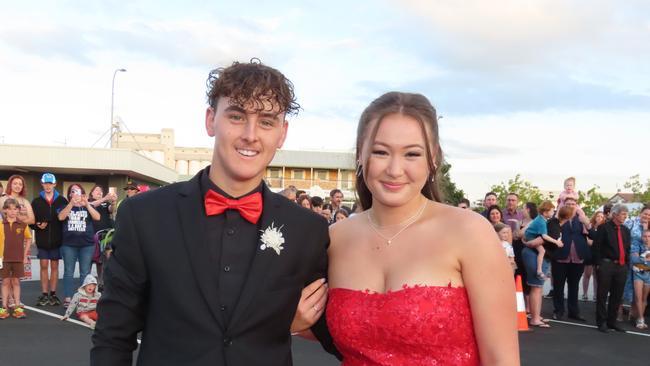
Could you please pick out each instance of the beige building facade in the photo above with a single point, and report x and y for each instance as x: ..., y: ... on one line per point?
x: 154, y: 160
x: 316, y: 172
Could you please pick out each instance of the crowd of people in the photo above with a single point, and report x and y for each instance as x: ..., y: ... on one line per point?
x: 557, y: 242
x: 66, y: 227
x: 332, y: 209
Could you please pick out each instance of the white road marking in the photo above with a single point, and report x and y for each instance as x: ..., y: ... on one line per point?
x: 57, y: 316
x: 595, y: 327
x: 54, y: 315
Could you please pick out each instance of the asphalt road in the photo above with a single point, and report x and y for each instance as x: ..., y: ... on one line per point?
x: 41, y: 339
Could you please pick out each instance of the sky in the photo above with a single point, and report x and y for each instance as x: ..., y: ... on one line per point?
x: 546, y: 89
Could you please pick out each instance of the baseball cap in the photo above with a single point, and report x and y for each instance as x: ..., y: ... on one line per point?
x: 131, y: 185
x: 48, y: 178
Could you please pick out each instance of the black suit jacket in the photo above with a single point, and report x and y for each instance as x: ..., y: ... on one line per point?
x: 161, y: 281
x: 606, y: 243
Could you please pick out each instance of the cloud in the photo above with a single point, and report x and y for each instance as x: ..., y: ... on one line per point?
x: 568, y: 39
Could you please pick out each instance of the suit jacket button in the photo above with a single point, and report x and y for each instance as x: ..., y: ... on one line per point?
x: 226, y: 269
x: 223, y: 307
x: 230, y: 232
x: 227, y: 342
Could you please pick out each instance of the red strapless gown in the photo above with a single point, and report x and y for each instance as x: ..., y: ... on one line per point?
x: 421, y: 325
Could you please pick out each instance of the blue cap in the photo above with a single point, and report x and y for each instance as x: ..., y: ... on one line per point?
x: 48, y: 178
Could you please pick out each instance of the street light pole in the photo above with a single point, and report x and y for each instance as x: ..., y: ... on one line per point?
x: 112, y: 102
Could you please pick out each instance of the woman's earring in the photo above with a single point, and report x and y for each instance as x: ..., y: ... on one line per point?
x: 359, y: 170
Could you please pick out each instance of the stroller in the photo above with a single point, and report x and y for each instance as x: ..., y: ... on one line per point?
x: 102, y: 239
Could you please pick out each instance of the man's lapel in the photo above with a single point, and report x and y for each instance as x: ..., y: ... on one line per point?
x: 190, y: 211
x: 263, y: 258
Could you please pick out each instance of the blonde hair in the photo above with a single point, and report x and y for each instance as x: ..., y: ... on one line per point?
x: 570, y: 179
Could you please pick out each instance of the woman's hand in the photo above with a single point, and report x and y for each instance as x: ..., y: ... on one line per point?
x: 311, y: 306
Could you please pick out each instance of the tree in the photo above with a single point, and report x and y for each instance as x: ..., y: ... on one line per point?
x: 450, y: 193
x: 641, y: 193
x: 591, y: 200
x: 526, y: 191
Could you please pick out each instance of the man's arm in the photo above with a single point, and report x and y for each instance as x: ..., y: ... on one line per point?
x: 121, y: 309
x: 319, y: 329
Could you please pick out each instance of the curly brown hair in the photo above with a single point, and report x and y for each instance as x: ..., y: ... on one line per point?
x: 254, y: 83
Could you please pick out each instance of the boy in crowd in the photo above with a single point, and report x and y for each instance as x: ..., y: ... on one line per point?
x: 48, y: 233
x: 85, y: 302
x: 15, y: 239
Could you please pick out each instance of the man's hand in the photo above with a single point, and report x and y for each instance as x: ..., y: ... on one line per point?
x: 41, y: 225
x: 311, y: 306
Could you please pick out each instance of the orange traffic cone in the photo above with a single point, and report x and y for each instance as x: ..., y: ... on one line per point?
x: 522, y: 320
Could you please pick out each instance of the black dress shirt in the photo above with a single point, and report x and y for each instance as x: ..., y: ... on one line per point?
x: 606, y: 243
x: 232, y: 242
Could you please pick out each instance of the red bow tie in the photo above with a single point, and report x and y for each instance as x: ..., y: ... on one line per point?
x: 249, y: 207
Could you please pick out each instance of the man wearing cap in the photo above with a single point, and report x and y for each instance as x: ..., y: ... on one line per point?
x: 48, y: 230
x: 131, y: 189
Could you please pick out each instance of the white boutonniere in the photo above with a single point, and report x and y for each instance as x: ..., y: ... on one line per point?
x: 272, y: 238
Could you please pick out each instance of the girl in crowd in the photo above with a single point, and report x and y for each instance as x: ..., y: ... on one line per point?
x: 597, y: 219
x: 505, y: 234
x: 16, y: 189
x: 305, y: 201
x: 77, y: 243
x: 494, y: 215
x: 104, y: 204
x: 341, y: 214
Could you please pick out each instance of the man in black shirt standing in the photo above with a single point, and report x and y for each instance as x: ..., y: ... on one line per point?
x: 611, y: 251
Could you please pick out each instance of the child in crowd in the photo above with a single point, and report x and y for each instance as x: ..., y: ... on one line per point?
x: 15, y: 238
x: 569, y: 191
x: 505, y: 234
x: 537, y: 228
x: 85, y: 301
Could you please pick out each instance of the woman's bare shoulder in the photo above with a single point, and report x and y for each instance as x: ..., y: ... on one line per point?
x: 465, y: 225
x: 344, y: 230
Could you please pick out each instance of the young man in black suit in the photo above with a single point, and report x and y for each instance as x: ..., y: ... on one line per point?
x: 211, y: 270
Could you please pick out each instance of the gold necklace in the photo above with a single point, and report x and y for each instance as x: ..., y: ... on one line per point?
x: 408, y: 222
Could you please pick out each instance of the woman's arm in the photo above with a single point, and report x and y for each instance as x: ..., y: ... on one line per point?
x: 310, y: 308
x: 533, y: 243
x: 98, y: 202
x: 493, y: 307
x: 91, y: 210
x: 66, y: 210
x: 27, y: 217
x: 635, y: 254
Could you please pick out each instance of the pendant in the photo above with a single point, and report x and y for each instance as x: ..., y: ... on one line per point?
x: 389, y: 242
